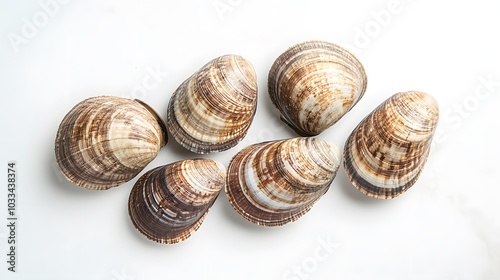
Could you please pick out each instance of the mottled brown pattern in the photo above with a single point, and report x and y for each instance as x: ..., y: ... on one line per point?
x: 212, y: 110
x: 169, y: 203
x: 90, y: 157
x: 325, y: 71
x: 291, y: 173
x: 392, y: 144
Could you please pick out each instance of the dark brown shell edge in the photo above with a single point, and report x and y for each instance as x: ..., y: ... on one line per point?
x: 363, y: 185
x: 192, y: 144
x: 149, y: 222
x: 306, y: 45
x: 249, y: 211
x: 70, y: 167
x: 147, y: 229
x: 160, y: 121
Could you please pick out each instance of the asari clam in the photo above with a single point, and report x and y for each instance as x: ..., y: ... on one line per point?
x: 212, y: 110
x: 314, y: 84
x: 387, y: 151
x: 168, y: 203
x: 274, y: 183
x: 105, y: 141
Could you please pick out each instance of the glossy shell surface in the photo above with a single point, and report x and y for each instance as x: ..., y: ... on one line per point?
x: 169, y: 203
x: 274, y: 183
x: 314, y: 84
x: 212, y: 110
x: 105, y: 141
x: 386, y: 152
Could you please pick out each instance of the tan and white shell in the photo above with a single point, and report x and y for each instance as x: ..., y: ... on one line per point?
x: 274, y: 183
x: 212, y: 110
x: 169, y: 203
x: 314, y: 84
x: 105, y: 141
x: 387, y: 151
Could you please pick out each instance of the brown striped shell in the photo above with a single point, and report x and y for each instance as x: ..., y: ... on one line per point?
x: 212, y: 110
x: 105, y: 141
x: 314, y: 84
x: 169, y: 203
x: 274, y: 183
x: 386, y: 152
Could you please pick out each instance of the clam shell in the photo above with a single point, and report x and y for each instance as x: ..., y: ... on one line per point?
x: 169, y: 203
x: 212, y: 110
x: 314, y: 84
x: 274, y: 183
x: 105, y: 141
x: 386, y: 152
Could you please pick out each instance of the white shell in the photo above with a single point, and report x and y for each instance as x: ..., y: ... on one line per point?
x: 274, y: 183
x: 170, y: 202
x: 386, y: 152
x: 105, y: 141
x: 314, y: 84
x: 213, y: 109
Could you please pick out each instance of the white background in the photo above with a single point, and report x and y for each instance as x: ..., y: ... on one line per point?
x: 446, y: 227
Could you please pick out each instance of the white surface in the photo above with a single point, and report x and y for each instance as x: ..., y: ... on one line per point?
x: 446, y: 227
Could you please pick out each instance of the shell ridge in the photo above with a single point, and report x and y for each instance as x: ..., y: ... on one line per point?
x: 157, y: 203
x: 257, y: 186
x: 387, y: 151
x: 214, y: 108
